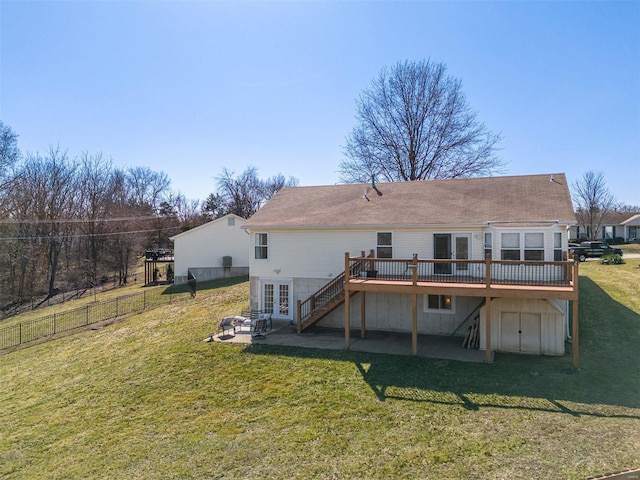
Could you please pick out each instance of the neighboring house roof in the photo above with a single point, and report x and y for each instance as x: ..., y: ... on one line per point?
x: 633, y: 220
x: 611, y: 218
x: 514, y: 199
x: 208, y: 224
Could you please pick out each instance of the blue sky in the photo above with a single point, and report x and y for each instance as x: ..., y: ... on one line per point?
x: 192, y: 87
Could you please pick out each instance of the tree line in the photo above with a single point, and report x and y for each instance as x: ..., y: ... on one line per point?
x: 71, y: 223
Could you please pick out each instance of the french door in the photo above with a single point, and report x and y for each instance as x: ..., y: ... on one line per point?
x: 276, y: 299
x: 448, y: 246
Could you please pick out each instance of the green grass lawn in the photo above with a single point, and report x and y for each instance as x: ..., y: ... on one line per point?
x: 147, y: 398
x: 630, y: 248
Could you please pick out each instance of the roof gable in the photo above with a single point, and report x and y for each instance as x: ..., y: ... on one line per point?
x: 526, y: 198
x: 240, y: 221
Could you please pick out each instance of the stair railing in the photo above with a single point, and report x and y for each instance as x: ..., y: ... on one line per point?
x: 325, y: 295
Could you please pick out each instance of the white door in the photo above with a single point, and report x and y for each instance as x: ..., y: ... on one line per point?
x: 276, y: 299
x: 530, y: 325
x: 520, y: 332
x: 510, y: 332
x: 461, y: 251
x: 451, y: 246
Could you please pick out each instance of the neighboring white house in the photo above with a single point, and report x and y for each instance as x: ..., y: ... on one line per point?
x: 515, y: 228
x: 615, y: 225
x: 217, y: 249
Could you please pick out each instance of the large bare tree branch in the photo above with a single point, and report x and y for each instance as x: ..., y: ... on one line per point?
x: 414, y: 123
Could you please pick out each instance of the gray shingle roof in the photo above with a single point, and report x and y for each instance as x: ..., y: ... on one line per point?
x: 516, y: 199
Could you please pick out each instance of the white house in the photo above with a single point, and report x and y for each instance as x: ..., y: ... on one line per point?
x: 615, y: 225
x: 217, y: 249
x: 444, y: 257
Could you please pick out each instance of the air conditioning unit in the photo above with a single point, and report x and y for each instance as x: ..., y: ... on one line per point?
x: 226, y: 261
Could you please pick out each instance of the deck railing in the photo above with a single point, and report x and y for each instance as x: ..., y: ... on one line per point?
x: 489, y: 272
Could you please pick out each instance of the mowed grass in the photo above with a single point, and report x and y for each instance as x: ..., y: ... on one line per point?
x: 147, y: 398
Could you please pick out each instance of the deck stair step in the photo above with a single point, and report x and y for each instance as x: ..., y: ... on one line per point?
x: 323, y: 311
x: 326, y: 299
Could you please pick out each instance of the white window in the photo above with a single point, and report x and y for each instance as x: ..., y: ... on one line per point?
x: 439, y: 303
x: 534, y: 246
x: 608, y: 232
x: 262, y: 246
x: 522, y: 246
x: 488, y: 244
x: 384, y: 247
x: 557, y: 247
x: 510, y: 246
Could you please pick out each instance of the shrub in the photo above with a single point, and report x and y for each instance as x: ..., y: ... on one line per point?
x: 613, y: 259
x: 615, y: 241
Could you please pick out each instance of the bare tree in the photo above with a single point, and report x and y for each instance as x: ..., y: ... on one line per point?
x: 214, y: 206
x: 9, y: 155
x: 273, y: 185
x: 9, y: 152
x: 414, y: 123
x: 245, y: 194
x: 593, y: 202
x: 242, y: 194
x: 46, y: 186
x: 147, y: 187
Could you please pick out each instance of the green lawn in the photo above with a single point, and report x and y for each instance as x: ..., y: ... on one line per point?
x: 146, y: 398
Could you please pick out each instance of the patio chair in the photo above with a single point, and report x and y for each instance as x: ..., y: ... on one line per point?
x: 267, y: 317
x: 227, y: 324
x: 258, y: 328
x: 258, y: 315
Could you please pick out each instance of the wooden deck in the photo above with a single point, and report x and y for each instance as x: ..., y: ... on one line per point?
x: 486, y: 278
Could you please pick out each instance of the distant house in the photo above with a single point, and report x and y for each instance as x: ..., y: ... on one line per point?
x: 217, y: 249
x: 483, y: 257
x: 616, y: 225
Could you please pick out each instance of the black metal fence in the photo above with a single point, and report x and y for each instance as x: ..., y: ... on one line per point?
x: 31, y: 330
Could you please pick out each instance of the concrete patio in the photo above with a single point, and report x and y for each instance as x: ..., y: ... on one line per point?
x: 284, y: 334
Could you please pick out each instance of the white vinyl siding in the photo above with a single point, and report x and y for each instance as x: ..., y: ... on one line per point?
x: 204, y: 246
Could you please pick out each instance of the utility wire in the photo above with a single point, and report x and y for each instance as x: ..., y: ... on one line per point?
x: 61, y: 237
x: 77, y: 220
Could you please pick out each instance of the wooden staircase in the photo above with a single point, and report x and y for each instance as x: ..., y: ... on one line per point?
x: 324, y: 301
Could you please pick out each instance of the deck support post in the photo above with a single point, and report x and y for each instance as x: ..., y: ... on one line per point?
x: 488, y: 329
x: 362, y: 313
x: 414, y: 324
x: 347, y: 304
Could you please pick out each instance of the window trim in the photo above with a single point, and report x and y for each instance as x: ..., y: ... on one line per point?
x: 527, y: 251
x: 523, y: 250
x: 447, y: 311
x: 378, y: 245
x: 264, y: 246
x: 557, y: 249
x: 488, y: 244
